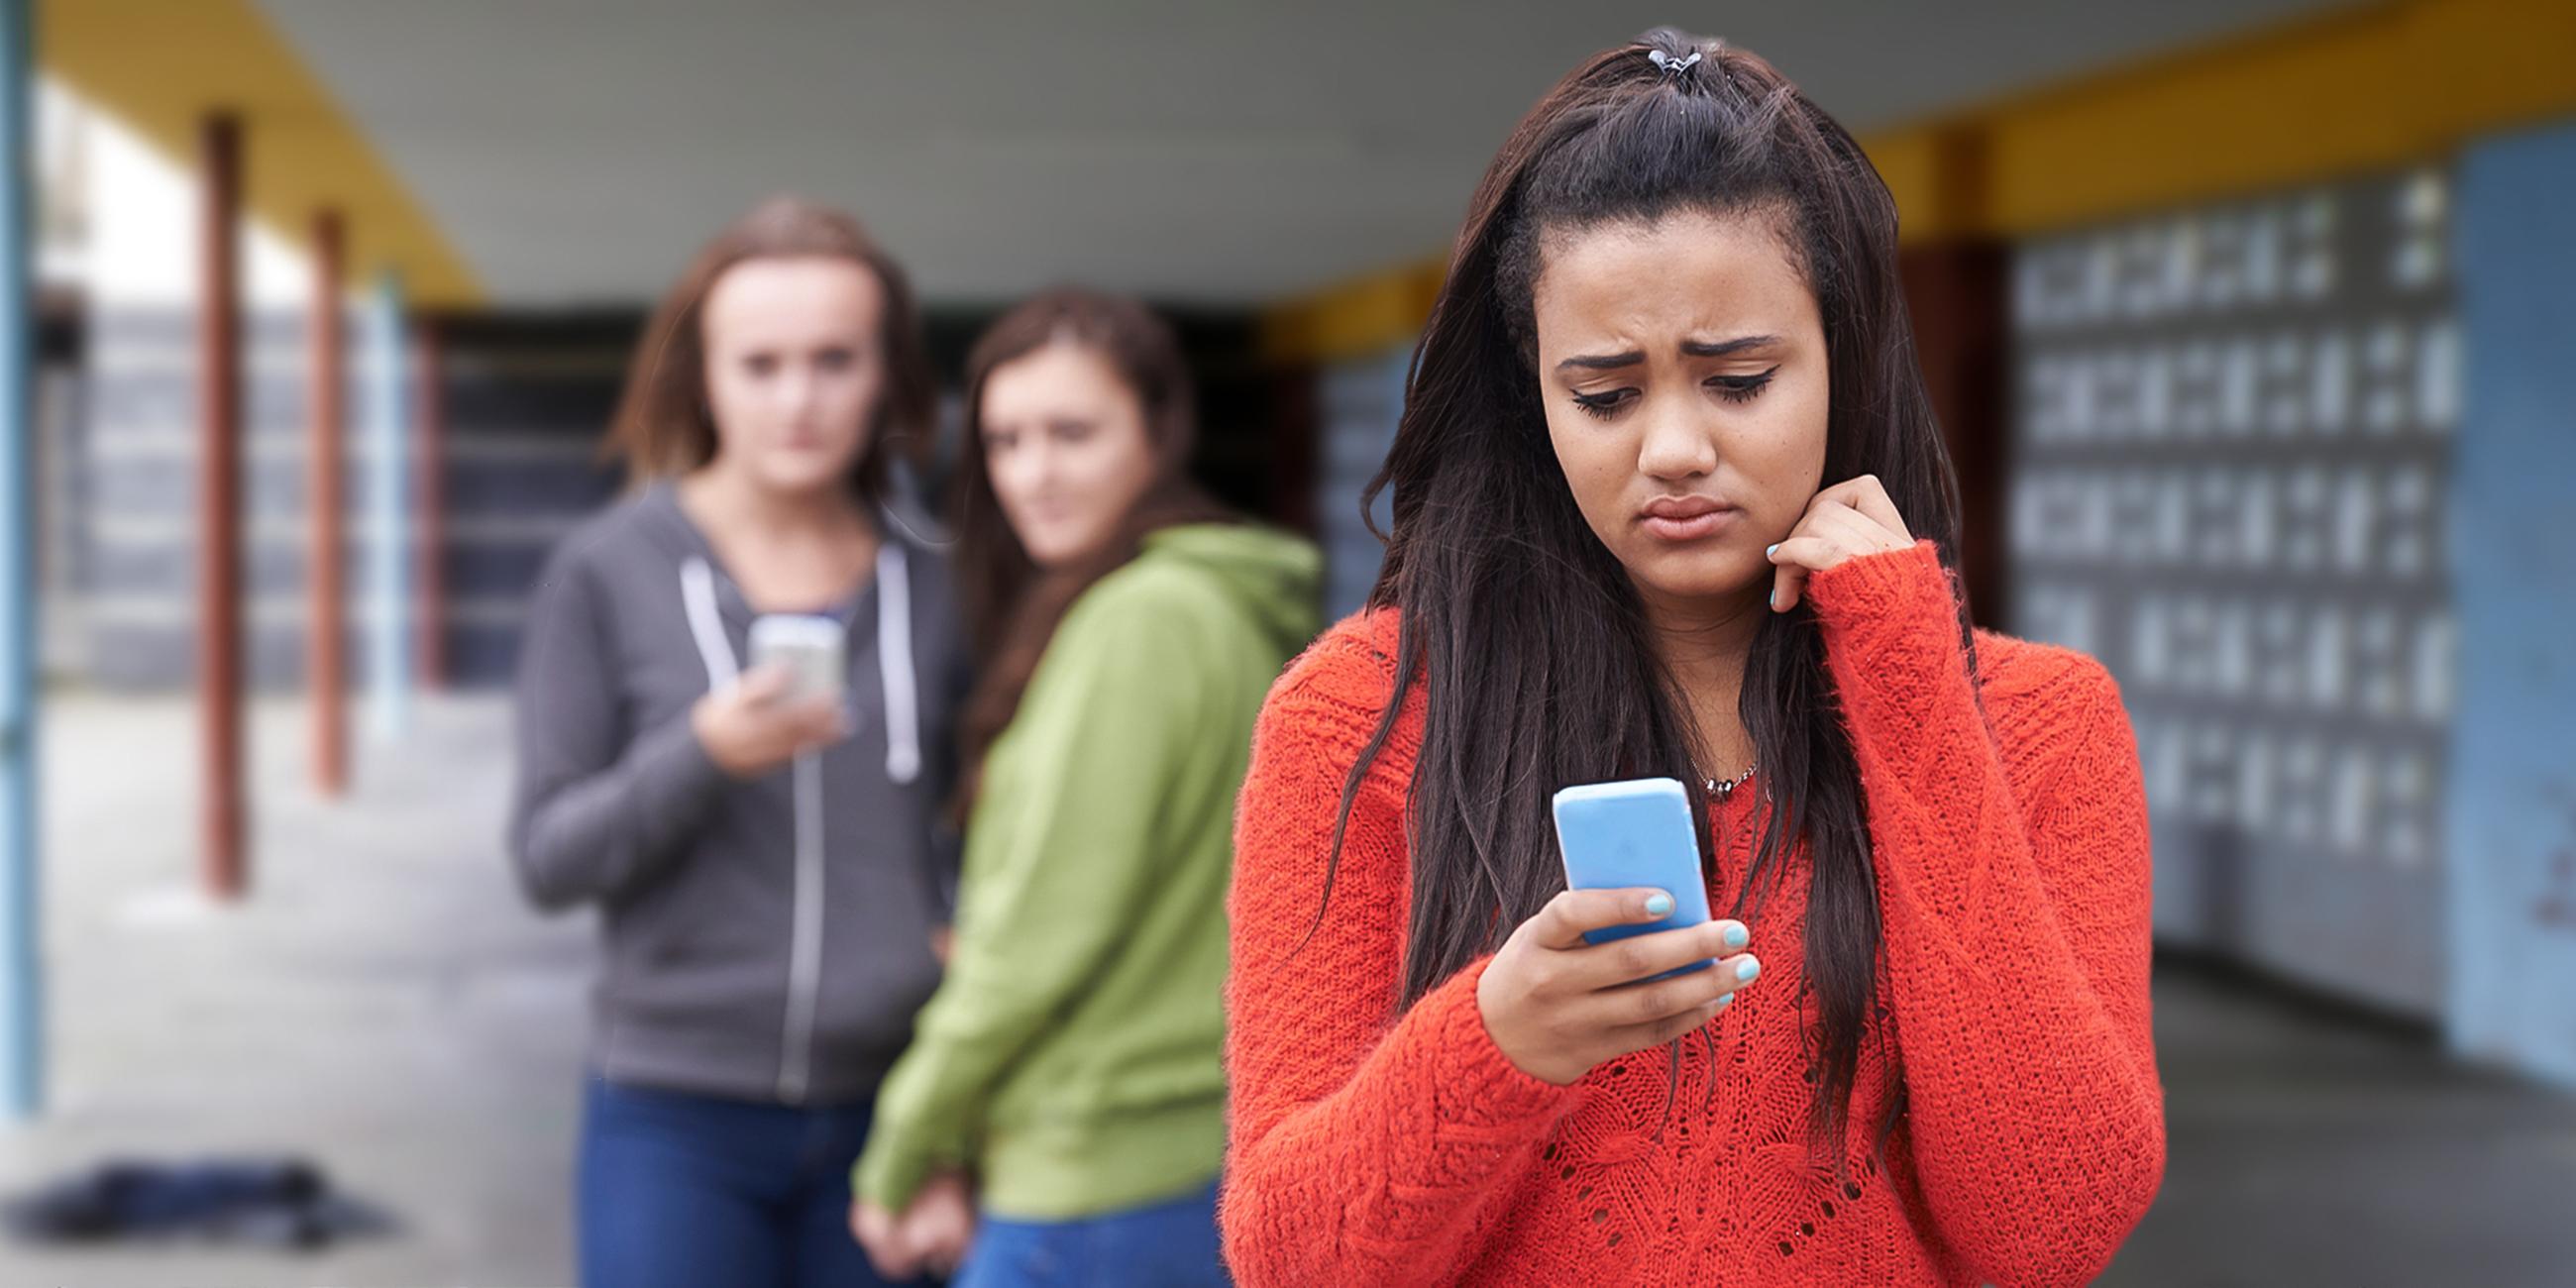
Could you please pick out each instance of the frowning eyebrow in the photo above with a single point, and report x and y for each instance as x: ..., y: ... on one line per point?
x: 1721, y: 348
x: 1690, y: 348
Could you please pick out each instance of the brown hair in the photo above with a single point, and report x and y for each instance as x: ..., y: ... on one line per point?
x: 663, y: 426
x: 1011, y: 605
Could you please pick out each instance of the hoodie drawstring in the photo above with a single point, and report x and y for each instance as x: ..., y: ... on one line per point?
x: 894, y: 664
x: 698, y: 598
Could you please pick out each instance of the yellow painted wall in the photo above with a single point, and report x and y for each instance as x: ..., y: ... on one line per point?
x: 1356, y: 318
x: 158, y: 65
x: 2370, y: 89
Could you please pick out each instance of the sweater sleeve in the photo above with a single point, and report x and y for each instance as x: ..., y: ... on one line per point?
x: 2016, y: 926
x: 1056, y: 861
x: 595, y: 813
x: 1360, y: 1152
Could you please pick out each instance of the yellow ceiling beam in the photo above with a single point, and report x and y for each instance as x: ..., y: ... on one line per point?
x: 160, y: 65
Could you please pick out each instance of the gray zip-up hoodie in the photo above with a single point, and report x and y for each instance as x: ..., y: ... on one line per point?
x: 766, y: 939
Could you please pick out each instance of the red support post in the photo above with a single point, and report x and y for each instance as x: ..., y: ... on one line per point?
x: 1957, y: 296
x: 429, y: 502
x: 223, y: 814
x: 326, y: 670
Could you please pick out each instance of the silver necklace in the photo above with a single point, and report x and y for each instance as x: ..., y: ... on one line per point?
x: 1719, y: 790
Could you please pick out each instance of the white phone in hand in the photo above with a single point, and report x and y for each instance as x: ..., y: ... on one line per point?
x: 813, y: 650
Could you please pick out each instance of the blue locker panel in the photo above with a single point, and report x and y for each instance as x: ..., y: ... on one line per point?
x: 1362, y: 397
x: 2512, y: 800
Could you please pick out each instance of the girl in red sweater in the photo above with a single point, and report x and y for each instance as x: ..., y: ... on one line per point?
x: 1669, y: 499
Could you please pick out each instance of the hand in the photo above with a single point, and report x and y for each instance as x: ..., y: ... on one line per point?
x: 878, y: 1235
x: 750, y: 726
x: 932, y: 1233
x: 1842, y: 522
x: 940, y: 1224
x: 1557, y: 1005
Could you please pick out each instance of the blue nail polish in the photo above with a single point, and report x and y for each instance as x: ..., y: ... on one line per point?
x: 1735, y: 937
x: 1725, y: 999
x: 1770, y: 550
x: 1658, y: 904
x: 1745, y: 971
x: 1775, y: 599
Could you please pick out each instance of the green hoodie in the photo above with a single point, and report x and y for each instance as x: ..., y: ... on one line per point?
x: 1072, y: 1056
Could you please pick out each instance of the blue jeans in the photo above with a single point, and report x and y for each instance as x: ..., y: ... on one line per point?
x: 681, y: 1191
x: 1167, y: 1245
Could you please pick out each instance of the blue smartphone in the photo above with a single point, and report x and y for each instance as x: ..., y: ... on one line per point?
x: 1636, y: 833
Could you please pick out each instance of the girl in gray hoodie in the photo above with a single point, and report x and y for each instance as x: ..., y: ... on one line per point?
x: 766, y: 857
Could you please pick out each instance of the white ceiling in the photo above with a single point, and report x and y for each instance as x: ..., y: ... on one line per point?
x: 575, y: 151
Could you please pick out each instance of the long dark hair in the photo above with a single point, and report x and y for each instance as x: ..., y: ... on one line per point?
x: 1524, y: 630
x: 663, y: 428
x: 1012, y: 607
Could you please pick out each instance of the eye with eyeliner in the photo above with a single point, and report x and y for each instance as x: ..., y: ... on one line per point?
x: 1742, y: 388
x: 1604, y: 405
x: 1736, y: 389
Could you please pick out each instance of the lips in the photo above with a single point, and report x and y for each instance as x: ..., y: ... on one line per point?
x: 1683, y: 507
x: 1686, y: 518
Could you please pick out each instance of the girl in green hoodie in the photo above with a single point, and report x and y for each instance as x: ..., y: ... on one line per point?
x: 1059, y: 1117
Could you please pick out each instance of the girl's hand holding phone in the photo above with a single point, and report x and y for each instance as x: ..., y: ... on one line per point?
x: 1557, y: 1005
x: 752, y: 726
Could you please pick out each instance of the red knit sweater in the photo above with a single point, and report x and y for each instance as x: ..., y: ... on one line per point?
x: 2011, y: 848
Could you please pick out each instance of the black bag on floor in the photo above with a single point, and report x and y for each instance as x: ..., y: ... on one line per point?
x: 284, y: 1203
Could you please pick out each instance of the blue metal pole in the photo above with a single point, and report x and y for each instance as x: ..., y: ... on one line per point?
x: 22, y: 1026
x: 388, y: 556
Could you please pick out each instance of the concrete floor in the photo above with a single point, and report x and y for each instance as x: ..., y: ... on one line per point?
x: 385, y: 1005
x: 2308, y: 1146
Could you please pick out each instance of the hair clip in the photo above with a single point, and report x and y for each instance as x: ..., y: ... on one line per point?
x: 1669, y: 65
